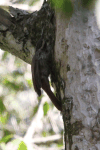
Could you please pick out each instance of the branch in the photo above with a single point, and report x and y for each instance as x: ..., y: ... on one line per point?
x: 42, y: 140
x: 20, y: 30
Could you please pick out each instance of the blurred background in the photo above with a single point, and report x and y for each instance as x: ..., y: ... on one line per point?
x: 26, y: 121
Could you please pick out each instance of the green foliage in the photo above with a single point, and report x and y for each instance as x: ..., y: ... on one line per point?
x: 67, y: 6
x: 86, y: 3
x: 64, y: 5
x: 4, y: 56
x: 6, y: 138
x: 13, y: 85
x: 29, y: 82
x: 40, y: 97
x: 60, y: 144
x: 22, y: 146
x: 12, y: 82
x: 44, y: 134
x: 4, y: 118
x: 45, y: 108
x: 2, y: 106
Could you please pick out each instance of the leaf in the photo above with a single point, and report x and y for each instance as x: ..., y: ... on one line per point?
x: 6, y: 138
x: 4, y: 56
x: 44, y: 134
x: 45, y: 108
x: 40, y: 97
x: 64, y: 5
x: 2, y: 106
x: 22, y: 146
x: 13, y: 85
x: 29, y: 82
x: 60, y: 145
x: 4, y: 118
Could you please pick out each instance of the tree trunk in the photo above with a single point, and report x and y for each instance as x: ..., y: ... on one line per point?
x: 77, y: 53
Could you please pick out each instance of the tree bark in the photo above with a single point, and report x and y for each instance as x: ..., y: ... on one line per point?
x: 77, y: 55
x: 22, y: 30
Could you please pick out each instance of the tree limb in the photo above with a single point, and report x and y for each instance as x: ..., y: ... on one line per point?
x: 20, y: 30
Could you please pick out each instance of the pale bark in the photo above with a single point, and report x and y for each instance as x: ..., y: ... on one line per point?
x: 12, y: 37
x: 77, y: 53
x: 20, y: 31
